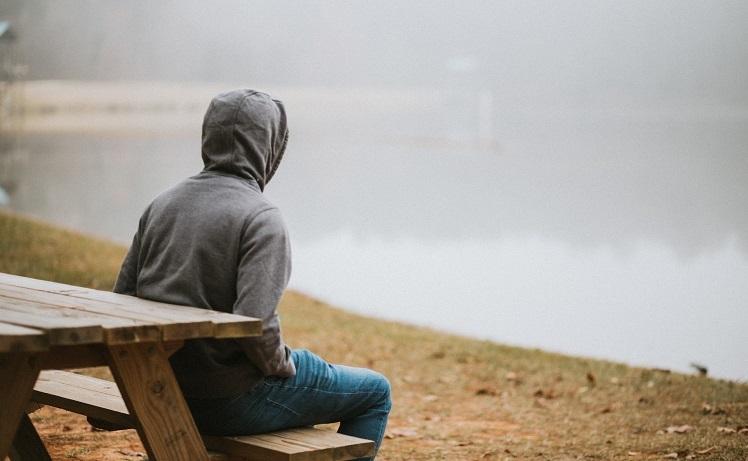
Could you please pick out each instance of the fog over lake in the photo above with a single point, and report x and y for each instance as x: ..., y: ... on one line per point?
x: 620, y: 237
x: 567, y: 175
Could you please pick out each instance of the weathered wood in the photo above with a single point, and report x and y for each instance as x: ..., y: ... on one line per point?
x: 18, y: 372
x: 79, y: 356
x: 152, y: 395
x: 27, y: 446
x: 116, y: 329
x: 78, y: 393
x: 224, y: 325
x: 14, y: 338
x: 97, y: 398
x: 170, y: 326
x: 60, y: 330
x: 299, y: 444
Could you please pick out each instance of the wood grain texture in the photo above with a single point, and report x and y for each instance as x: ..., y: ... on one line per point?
x: 171, y: 326
x: 59, y: 330
x: 18, y: 372
x: 14, y: 338
x: 78, y: 356
x: 152, y: 395
x: 116, y: 329
x: 301, y: 444
x: 27, y: 446
x: 80, y: 394
x: 97, y: 398
x: 223, y: 325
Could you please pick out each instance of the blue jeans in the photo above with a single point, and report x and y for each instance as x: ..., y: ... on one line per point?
x: 319, y: 393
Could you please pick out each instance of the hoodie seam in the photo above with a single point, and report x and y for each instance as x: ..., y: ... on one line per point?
x: 234, y: 122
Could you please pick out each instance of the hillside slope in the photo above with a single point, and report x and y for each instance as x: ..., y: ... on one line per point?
x: 455, y: 398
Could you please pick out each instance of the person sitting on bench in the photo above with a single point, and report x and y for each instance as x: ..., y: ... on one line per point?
x: 214, y: 241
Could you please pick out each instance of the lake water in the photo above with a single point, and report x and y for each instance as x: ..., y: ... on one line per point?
x: 623, y: 237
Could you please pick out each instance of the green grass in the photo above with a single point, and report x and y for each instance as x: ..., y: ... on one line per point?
x: 457, y: 398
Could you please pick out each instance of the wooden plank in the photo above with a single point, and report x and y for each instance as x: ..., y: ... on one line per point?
x: 224, y: 325
x: 60, y: 330
x: 293, y: 445
x: 78, y: 356
x: 84, y: 395
x: 18, y: 372
x: 170, y: 327
x: 27, y: 446
x: 21, y: 339
x: 153, y: 397
x: 114, y: 330
x: 102, y: 399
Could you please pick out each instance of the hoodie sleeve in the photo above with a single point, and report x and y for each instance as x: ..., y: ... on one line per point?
x: 128, y: 274
x: 263, y: 273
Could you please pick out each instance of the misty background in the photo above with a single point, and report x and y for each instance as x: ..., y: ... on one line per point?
x: 565, y: 175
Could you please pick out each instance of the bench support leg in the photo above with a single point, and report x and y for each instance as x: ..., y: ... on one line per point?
x: 18, y: 373
x: 153, y: 397
x: 27, y: 446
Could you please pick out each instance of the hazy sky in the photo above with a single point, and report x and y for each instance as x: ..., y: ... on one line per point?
x: 577, y: 50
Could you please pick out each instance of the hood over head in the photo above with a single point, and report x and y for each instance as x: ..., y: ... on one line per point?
x: 244, y: 134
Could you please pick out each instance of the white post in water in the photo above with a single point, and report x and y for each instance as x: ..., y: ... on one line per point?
x: 485, y: 119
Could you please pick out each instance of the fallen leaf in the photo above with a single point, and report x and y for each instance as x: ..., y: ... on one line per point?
x: 430, y: 398
x: 513, y: 377
x: 547, y: 394
x: 634, y: 453
x: 726, y: 430
x: 401, y: 432
x: 135, y: 454
x: 485, y: 391
x: 679, y: 429
x: 671, y: 456
x: 460, y: 443
x: 706, y: 450
x: 743, y: 430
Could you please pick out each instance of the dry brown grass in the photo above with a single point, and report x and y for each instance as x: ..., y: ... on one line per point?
x: 455, y: 398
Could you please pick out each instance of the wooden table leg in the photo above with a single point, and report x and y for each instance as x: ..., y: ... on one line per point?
x: 153, y: 397
x: 27, y: 446
x: 18, y: 373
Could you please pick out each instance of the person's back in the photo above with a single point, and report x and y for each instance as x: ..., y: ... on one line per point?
x: 214, y: 241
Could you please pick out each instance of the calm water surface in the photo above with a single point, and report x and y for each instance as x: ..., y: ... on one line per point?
x: 623, y: 238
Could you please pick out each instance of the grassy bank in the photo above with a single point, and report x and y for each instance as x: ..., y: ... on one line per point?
x: 455, y: 398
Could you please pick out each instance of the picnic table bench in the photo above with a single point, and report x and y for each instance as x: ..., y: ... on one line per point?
x: 46, y: 327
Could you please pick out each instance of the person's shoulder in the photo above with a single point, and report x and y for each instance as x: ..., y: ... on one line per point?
x: 265, y: 219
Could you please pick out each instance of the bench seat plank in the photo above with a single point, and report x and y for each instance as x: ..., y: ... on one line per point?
x: 101, y: 399
x: 223, y: 325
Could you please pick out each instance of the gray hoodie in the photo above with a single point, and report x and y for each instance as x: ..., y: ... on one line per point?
x: 214, y: 241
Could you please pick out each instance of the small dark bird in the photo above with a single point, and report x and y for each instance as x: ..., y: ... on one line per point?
x: 700, y: 368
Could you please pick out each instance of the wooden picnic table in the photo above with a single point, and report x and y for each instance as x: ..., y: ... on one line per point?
x: 46, y: 325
